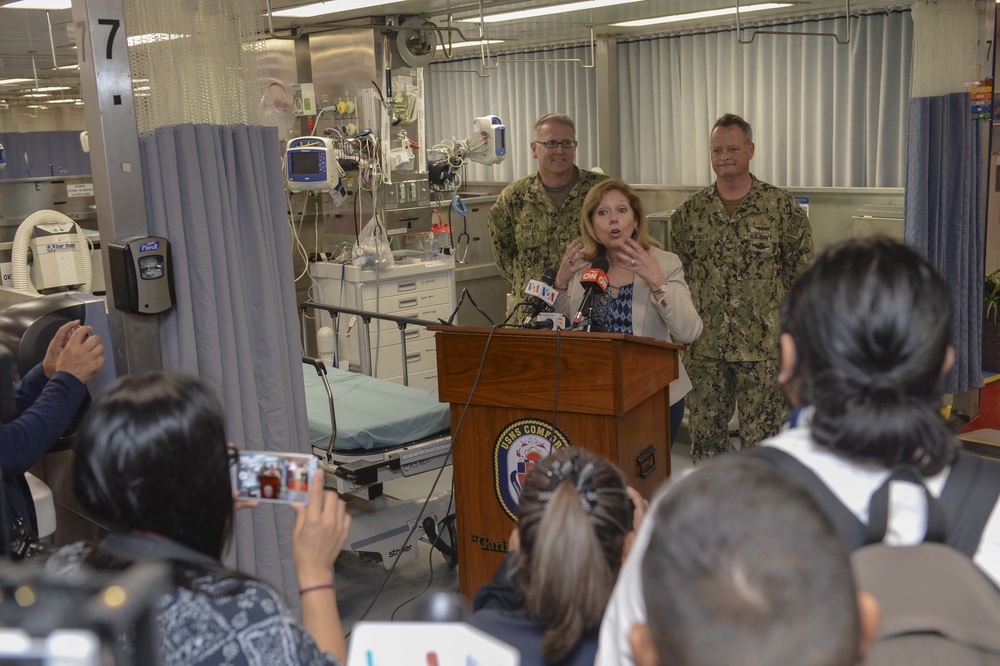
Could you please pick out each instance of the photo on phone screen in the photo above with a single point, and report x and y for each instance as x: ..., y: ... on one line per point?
x: 267, y: 476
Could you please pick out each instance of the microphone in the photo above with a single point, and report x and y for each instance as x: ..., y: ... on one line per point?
x: 548, y: 321
x: 594, y: 279
x: 541, y: 294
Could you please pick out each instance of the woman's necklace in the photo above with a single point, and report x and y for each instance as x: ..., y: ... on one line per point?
x: 614, y: 289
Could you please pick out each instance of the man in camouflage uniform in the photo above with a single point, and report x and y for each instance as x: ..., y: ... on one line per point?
x: 536, y: 217
x: 742, y: 243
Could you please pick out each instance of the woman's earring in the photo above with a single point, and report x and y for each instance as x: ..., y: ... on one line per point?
x: 635, y: 231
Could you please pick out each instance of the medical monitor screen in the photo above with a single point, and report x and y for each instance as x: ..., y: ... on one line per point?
x: 501, y: 141
x: 303, y: 163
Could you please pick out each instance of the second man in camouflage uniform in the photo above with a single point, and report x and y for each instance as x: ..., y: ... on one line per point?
x: 742, y: 243
x: 536, y: 217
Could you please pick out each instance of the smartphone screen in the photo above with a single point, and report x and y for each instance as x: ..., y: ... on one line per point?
x: 269, y: 476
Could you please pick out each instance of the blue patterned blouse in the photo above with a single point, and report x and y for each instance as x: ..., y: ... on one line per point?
x: 614, y: 314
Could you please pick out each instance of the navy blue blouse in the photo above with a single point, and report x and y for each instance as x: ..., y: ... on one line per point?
x: 614, y: 314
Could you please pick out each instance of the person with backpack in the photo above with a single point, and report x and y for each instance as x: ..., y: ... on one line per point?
x: 865, y: 343
x: 748, y: 569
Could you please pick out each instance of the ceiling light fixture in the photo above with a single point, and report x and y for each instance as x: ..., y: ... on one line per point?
x: 13, y: 82
x: 692, y: 16
x: 330, y: 7
x: 50, y: 89
x: 40, y: 4
x: 546, y: 11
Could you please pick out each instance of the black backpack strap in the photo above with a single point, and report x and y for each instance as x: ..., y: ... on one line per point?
x: 968, y: 498
x: 852, y: 530
x: 878, y: 508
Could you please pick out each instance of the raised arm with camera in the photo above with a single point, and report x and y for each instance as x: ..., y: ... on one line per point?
x: 321, y: 529
x: 46, y: 400
x: 153, y: 464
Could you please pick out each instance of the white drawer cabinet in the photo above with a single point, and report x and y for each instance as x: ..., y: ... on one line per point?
x: 423, y: 290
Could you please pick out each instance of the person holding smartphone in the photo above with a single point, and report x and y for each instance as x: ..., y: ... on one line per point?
x: 46, y: 400
x: 153, y: 463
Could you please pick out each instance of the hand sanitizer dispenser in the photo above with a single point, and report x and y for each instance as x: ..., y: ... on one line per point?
x: 141, y: 278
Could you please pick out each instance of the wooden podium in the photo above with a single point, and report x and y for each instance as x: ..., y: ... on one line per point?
x: 606, y: 392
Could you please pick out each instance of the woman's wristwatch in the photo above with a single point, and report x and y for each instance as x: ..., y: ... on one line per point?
x: 660, y: 291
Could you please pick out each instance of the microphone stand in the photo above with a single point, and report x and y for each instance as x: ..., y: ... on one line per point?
x: 586, y: 323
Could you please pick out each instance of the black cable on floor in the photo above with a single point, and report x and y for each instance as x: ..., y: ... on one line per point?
x: 416, y: 523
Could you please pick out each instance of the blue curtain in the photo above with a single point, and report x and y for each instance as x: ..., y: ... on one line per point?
x: 216, y: 193
x: 944, y: 216
x: 43, y: 155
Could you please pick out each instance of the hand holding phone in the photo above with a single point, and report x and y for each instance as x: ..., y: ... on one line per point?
x: 269, y: 476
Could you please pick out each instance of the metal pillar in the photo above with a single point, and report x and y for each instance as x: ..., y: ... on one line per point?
x: 106, y: 89
x: 609, y: 147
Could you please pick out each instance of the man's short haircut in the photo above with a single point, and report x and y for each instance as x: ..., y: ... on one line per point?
x: 558, y: 118
x: 744, y: 567
x: 733, y: 120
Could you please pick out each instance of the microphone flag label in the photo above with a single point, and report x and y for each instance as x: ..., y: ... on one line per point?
x: 595, y: 276
x: 518, y: 447
x: 542, y: 291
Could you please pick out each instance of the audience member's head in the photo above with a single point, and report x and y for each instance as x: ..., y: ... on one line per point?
x: 573, y: 519
x: 866, y: 342
x: 744, y: 567
x: 153, y: 457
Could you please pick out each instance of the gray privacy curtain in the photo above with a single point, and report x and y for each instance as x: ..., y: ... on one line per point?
x: 944, y: 217
x: 217, y: 195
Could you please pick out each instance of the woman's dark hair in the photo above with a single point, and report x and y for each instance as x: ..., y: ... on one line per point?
x: 152, y: 456
x: 871, y: 321
x: 573, y: 516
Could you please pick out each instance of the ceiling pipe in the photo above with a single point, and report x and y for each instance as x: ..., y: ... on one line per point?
x: 52, y: 41
x: 739, y: 29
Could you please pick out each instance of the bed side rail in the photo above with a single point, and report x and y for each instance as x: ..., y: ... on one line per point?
x: 366, y: 316
x: 320, y: 368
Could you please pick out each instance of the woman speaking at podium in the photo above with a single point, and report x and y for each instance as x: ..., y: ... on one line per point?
x: 646, y: 293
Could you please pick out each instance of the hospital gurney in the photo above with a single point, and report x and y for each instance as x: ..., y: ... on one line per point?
x: 383, y: 443
x: 368, y: 431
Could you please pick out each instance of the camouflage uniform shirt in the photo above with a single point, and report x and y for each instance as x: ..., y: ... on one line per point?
x: 529, y: 234
x: 740, y: 268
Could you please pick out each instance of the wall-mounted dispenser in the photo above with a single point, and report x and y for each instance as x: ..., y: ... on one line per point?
x: 141, y: 278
